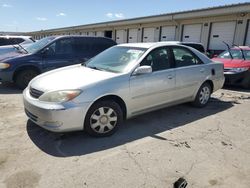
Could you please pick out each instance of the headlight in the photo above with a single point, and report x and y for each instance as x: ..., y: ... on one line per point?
x: 239, y: 69
x: 4, y: 65
x: 60, y: 96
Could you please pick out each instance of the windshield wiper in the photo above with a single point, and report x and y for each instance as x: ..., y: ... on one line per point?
x: 23, y: 48
x: 241, y: 51
x: 15, y: 47
x: 228, y: 47
x: 93, y: 67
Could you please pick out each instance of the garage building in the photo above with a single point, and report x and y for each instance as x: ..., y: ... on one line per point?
x: 210, y: 26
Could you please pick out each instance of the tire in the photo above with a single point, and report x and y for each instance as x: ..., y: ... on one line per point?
x: 24, y: 77
x: 103, y: 119
x: 203, y: 95
x: 180, y: 183
x: 246, y: 83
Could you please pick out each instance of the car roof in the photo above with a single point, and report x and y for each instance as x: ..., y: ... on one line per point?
x: 150, y: 44
x: 12, y: 36
x: 242, y: 47
x: 83, y: 36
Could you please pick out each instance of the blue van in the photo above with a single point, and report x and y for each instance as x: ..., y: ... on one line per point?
x: 47, y: 54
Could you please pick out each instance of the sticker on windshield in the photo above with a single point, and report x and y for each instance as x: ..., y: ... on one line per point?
x: 133, y: 51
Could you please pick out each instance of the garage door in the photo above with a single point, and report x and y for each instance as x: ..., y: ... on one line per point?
x: 91, y: 33
x: 149, y: 34
x: 247, y: 43
x: 121, y: 36
x: 133, y: 35
x: 221, y: 31
x: 168, y: 33
x: 99, y: 33
x: 192, y: 33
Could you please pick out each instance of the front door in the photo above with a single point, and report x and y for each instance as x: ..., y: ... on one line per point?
x: 59, y: 54
x: 151, y: 90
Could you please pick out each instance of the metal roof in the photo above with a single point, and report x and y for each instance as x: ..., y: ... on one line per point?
x: 170, y: 15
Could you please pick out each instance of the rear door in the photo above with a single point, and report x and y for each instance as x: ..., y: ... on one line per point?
x: 153, y: 89
x: 190, y: 72
x: 59, y: 54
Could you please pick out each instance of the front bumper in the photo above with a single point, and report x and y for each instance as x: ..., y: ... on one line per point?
x: 237, y: 78
x: 53, y: 116
x: 6, y: 76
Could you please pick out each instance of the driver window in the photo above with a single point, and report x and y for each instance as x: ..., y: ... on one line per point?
x: 61, y: 47
x: 157, y: 59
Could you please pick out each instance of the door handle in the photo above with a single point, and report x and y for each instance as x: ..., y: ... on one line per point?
x: 202, y: 70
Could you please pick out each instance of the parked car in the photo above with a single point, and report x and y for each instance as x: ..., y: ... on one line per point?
x: 10, y: 40
x: 119, y: 83
x: 236, y: 66
x: 195, y: 45
x: 47, y: 54
x: 12, y: 48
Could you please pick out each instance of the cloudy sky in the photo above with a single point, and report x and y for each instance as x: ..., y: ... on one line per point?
x: 33, y: 15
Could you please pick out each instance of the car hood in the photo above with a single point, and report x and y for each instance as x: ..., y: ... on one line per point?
x: 233, y: 63
x: 11, y: 55
x: 71, y: 77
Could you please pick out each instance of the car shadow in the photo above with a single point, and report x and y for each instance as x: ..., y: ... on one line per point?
x: 150, y: 124
x: 9, y: 88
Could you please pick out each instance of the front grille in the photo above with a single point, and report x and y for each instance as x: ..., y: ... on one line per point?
x: 228, y: 69
x: 35, y: 93
x: 30, y: 115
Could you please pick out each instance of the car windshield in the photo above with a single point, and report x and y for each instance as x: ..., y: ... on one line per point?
x: 116, y: 59
x: 39, y: 44
x: 236, y: 54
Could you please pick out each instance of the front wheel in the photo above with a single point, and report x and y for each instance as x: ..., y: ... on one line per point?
x: 24, y: 77
x: 103, y: 118
x: 203, y: 95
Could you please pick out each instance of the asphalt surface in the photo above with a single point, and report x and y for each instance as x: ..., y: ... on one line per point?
x: 209, y: 147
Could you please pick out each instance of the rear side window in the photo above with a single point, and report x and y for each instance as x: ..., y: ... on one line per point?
x: 10, y: 41
x: 100, y: 44
x: 82, y: 46
x: 91, y: 46
x: 2, y: 41
x: 184, y: 57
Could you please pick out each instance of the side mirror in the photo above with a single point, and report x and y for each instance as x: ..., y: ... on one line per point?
x: 47, y: 51
x: 142, y: 70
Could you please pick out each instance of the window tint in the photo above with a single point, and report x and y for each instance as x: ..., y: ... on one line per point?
x: 82, y: 45
x: 61, y: 47
x: 2, y: 41
x: 184, y: 57
x: 157, y: 59
x: 10, y: 41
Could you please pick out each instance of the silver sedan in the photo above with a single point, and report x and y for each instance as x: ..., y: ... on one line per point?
x: 121, y: 82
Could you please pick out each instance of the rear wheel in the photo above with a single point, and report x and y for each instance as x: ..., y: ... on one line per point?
x: 103, y: 119
x: 203, y: 95
x: 24, y: 77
